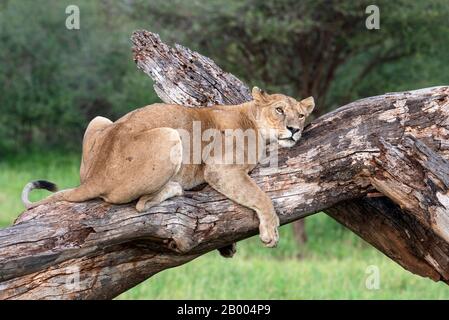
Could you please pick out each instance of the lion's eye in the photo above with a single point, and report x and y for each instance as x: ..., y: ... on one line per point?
x: 301, y: 116
x: 280, y: 110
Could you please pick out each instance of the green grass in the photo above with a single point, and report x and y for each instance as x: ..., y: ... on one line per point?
x: 333, y: 263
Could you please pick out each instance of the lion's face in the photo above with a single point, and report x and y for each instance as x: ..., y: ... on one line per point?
x: 281, y: 117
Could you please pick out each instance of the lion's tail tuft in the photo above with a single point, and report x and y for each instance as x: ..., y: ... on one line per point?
x: 38, y: 184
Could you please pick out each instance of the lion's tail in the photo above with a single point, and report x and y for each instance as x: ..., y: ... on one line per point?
x: 38, y: 184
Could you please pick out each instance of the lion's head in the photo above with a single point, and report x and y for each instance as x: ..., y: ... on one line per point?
x: 281, y: 117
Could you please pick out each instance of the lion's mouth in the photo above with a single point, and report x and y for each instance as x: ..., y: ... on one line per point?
x: 287, y: 142
x: 288, y: 139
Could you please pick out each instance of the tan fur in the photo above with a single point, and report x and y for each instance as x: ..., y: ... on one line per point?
x: 140, y: 156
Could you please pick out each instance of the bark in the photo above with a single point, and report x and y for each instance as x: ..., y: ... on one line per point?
x: 396, y: 144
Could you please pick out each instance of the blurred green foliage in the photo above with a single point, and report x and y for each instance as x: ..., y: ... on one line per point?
x: 54, y: 80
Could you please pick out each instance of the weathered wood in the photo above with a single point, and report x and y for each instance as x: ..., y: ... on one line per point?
x: 396, y: 143
x: 183, y: 76
x: 400, y: 237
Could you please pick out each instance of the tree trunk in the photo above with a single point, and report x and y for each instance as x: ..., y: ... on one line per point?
x: 396, y: 144
x: 299, y: 231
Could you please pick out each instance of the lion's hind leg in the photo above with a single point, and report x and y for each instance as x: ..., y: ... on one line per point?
x: 171, y: 189
x: 228, y: 251
x: 143, y: 167
x: 91, y: 144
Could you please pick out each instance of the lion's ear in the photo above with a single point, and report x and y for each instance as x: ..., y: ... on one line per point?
x: 258, y: 94
x: 308, y: 104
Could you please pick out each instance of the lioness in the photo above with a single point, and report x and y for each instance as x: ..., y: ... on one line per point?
x: 142, y: 156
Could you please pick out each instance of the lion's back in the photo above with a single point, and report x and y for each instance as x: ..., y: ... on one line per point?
x: 157, y: 115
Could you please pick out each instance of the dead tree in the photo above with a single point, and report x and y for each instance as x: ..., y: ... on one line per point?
x: 396, y: 144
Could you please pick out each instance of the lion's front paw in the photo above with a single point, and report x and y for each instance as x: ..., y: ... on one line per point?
x: 269, y: 232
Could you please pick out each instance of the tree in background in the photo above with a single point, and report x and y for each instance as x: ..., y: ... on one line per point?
x: 298, y: 47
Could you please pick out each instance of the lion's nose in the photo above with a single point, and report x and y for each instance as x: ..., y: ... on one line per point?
x: 293, y: 130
